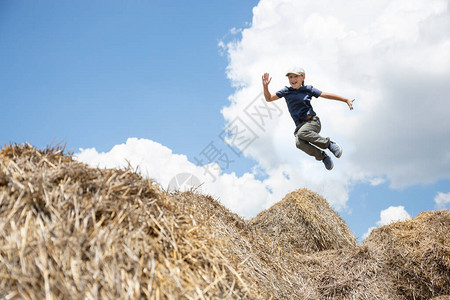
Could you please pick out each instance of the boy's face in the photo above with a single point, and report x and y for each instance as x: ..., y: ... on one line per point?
x: 295, y: 80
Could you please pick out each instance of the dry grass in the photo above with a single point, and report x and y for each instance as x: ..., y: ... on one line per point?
x: 304, y: 222
x: 417, y: 254
x: 73, y: 232
x: 70, y: 232
x: 262, y: 262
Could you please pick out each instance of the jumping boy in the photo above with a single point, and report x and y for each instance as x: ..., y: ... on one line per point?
x: 298, y: 99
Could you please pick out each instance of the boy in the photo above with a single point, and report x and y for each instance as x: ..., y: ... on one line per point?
x: 298, y: 99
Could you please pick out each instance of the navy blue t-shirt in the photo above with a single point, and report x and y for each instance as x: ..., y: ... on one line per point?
x: 299, y: 101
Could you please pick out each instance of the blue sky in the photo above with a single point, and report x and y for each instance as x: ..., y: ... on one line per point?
x: 93, y: 74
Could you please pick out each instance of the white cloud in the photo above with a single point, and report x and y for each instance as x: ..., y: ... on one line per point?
x: 151, y: 158
x: 392, y: 56
x: 390, y: 215
x: 442, y: 200
x: 393, y: 214
x: 376, y: 181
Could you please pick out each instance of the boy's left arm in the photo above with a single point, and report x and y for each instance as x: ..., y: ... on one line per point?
x: 339, y: 98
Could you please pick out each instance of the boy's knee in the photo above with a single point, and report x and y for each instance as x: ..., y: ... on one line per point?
x: 301, y: 134
x: 300, y: 143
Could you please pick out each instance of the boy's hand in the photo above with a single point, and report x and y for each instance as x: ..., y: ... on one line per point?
x: 350, y: 103
x: 266, y: 80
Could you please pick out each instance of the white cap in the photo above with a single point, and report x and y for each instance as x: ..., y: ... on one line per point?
x: 295, y: 70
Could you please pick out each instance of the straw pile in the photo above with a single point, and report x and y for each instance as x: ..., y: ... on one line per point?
x: 403, y: 260
x: 416, y: 253
x: 304, y: 222
x: 73, y: 232
x: 261, y: 261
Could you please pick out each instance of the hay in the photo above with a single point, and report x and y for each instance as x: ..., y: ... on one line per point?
x: 304, y: 222
x: 403, y: 260
x: 417, y: 254
x: 350, y: 273
x: 69, y: 232
x: 262, y: 262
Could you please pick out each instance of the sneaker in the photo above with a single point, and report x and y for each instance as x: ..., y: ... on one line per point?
x: 335, y: 149
x: 327, y: 162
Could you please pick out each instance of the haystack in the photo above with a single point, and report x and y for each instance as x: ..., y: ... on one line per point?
x: 73, y: 232
x: 403, y: 260
x: 349, y: 273
x: 304, y: 222
x: 262, y: 263
x: 416, y: 254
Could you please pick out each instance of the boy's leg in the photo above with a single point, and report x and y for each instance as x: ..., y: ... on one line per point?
x: 309, y: 149
x: 309, y: 132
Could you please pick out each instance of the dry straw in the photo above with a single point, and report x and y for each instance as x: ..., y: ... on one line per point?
x: 73, y: 232
x: 304, y: 222
x: 417, y: 254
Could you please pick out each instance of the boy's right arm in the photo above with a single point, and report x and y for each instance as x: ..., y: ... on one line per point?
x: 266, y: 80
